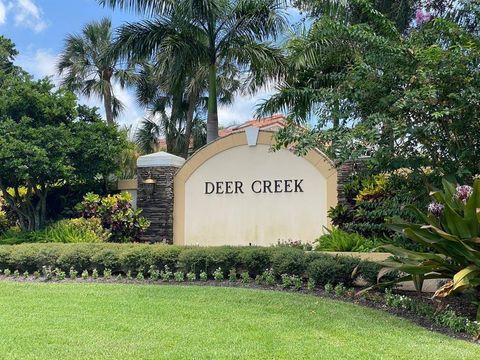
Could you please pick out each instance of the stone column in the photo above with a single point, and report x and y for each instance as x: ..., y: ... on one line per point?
x: 155, y: 197
x: 347, y: 168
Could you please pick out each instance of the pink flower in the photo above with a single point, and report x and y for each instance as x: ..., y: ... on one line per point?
x: 436, y: 209
x: 422, y: 16
x: 463, y: 192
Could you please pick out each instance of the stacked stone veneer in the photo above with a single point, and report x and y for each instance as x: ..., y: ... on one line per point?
x: 347, y: 168
x: 158, y: 207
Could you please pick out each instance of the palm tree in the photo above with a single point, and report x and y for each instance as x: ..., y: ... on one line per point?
x: 153, y: 128
x: 179, y: 86
x: 211, y: 33
x: 89, y: 67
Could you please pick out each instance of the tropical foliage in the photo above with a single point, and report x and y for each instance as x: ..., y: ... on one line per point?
x: 78, y: 230
x: 369, y: 200
x: 451, y: 230
x: 116, y: 214
x: 218, y: 37
x: 338, y: 240
x: 407, y: 99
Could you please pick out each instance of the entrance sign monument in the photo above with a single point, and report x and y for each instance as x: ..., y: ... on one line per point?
x: 236, y: 191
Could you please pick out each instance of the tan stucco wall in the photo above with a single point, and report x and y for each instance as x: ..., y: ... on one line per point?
x: 261, y: 219
x: 129, y: 186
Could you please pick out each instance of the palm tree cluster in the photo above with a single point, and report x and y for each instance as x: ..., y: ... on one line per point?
x: 185, y: 58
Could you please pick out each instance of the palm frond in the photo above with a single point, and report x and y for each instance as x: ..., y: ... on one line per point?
x: 147, y: 135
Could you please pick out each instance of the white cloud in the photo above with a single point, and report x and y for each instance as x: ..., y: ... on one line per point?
x: 28, y: 14
x: 43, y: 63
x: 133, y: 113
x: 3, y: 13
x: 242, y: 109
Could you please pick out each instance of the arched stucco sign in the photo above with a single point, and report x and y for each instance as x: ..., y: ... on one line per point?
x: 236, y: 191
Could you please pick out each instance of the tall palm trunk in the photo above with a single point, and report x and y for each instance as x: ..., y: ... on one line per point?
x: 107, y: 96
x: 212, y: 119
x: 188, y: 126
x: 175, y: 116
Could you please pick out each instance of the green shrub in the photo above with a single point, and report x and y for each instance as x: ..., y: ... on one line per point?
x: 85, y: 275
x: 153, y: 273
x: 59, y: 274
x: 329, y: 288
x: 72, y: 273
x: 208, y: 259
x: 218, y: 274
x: 336, y: 239
x: 288, y: 261
x: 203, y: 276
x: 148, y: 259
x: 254, y: 260
x: 296, y: 282
x: 245, y: 277
x: 232, y: 275
x: 191, y: 276
x: 340, y: 289
x: 267, y: 277
x: 179, y: 276
x: 311, y: 284
x: 333, y: 269
x: 166, y: 274
x: 286, y: 281
x: 77, y: 257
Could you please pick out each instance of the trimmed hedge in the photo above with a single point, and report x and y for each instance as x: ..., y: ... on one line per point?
x: 135, y: 258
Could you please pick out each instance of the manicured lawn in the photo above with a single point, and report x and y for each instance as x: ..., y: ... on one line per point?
x: 107, y: 321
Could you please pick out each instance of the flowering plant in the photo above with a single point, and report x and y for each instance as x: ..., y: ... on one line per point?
x: 451, y: 229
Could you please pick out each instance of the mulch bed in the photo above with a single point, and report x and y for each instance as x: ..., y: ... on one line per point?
x: 372, y: 299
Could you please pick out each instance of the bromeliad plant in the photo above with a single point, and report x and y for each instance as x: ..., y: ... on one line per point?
x: 451, y: 228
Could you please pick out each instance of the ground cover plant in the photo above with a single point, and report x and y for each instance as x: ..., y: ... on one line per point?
x: 177, y: 322
x: 336, y: 239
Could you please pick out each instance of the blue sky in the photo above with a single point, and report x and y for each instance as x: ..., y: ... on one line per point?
x: 38, y: 28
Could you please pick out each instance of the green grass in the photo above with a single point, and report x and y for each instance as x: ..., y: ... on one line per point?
x: 107, y: 321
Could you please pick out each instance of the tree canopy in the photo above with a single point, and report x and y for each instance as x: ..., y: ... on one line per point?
x: 47, y: 140
x: 407, y: 99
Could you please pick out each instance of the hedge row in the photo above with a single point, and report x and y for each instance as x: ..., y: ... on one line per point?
x: 122, y: 258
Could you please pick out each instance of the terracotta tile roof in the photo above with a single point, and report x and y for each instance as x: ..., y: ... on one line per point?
x: 274, y: 122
